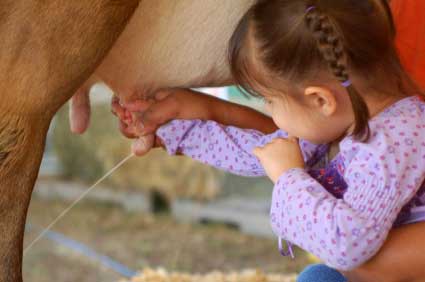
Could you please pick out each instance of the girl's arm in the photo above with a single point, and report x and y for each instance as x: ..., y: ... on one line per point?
x: 224, y: 147
x: 141, y: 118
x: 173, y: 104
x: 228, y: 113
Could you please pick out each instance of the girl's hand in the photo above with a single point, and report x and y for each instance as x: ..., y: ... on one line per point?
x: 279, y: 156
x: 125, y: 119
x: 167, y: 105
x: 142, y: 143
x: 139, y: 119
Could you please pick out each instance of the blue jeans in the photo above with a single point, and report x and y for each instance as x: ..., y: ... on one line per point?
x: 320, y: 273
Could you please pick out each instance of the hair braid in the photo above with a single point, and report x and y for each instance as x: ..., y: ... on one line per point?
x: 331, y: 47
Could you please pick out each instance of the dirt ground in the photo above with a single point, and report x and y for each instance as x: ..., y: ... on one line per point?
x: 141, y: 240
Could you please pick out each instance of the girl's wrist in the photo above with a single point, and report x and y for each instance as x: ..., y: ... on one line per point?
x: 288, y: 173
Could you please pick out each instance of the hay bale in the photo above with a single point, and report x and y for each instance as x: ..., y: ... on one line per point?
x: 161, y: 275
x: 90, y: 156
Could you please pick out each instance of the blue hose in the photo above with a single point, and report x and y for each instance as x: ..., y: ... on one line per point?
x: 88, y: 252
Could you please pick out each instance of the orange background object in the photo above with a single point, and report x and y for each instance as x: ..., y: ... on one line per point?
x: 409, y: 16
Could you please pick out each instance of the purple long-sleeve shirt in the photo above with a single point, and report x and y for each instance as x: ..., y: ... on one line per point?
x: 342, y: 210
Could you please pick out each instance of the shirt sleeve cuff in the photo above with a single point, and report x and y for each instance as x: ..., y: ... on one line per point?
x: 173, y: 133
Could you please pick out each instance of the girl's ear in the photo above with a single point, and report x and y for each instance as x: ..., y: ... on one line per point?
x: 321, y: 99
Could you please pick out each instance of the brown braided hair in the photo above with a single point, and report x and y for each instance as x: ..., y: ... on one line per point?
x: 330, y: 45
x: 297, y: 39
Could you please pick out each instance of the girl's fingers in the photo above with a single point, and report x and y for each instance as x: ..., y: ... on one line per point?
x: 126, y: 130
x: 160, y: 113
x: 117, y: 109
x: 138, y: 105
x: 138, y: 126
x: 145, y: 116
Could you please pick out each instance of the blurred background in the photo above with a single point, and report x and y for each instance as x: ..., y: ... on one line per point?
x: 153, y: 212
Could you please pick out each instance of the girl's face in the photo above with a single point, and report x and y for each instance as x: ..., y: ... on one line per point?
x: 313, y: 118
x: 320, y: 114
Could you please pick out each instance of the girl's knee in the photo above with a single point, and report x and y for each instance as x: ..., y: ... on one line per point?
x: 320, y: 273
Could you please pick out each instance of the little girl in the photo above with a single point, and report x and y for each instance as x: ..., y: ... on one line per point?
x: 348, y: 160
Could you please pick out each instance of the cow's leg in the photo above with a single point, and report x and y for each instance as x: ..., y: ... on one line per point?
x: 21, y: 147
x: 48, y: 48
